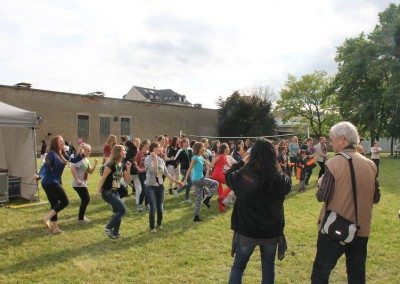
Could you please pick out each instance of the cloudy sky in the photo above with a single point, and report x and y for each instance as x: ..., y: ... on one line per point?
x: 202, y: 49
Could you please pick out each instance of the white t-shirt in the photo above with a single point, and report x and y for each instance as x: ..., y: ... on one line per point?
x: 375, y: 152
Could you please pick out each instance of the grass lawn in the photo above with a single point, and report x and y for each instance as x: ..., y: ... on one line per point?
x: 184, y: 252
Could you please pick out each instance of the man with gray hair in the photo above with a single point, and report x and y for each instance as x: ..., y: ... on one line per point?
x: 336, y: 191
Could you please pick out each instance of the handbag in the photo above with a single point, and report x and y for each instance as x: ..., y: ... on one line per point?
x: 336, y: 226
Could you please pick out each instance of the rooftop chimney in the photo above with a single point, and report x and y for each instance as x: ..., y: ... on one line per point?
x: 24, y: 85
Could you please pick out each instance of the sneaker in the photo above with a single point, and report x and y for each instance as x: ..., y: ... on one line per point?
x: 159, y: 228
x: 206, y: 202
x: 84, y: 221
x: 109, y: 233
x: 116, y: 237
x: 196, y: 218
x: 188, y: 201
x: 140, y: 208
x: 170, y: 191
x: 176, y: 193
x: 153, y: 230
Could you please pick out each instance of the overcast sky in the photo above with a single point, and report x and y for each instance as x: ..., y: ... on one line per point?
x: 201, y: 49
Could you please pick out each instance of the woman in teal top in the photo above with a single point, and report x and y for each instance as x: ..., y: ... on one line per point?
x: 199, y: 181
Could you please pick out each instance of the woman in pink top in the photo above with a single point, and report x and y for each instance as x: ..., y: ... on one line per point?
x: 218, y: 174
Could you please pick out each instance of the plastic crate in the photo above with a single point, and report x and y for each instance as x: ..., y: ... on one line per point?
x: 14, y: 186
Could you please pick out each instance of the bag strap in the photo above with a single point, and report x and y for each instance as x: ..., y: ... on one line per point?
x: 353, y: 182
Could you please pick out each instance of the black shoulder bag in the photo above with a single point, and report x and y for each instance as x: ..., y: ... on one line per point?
x: 336, y: 226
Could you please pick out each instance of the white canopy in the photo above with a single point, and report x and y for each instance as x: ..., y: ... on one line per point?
x: 17, y: 146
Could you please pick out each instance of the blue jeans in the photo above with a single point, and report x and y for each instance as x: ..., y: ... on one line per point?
x: 242, y: 256
x: 118, y: 206
x: 155, y: 196
x: 186, y: 186
x: 328, y: 253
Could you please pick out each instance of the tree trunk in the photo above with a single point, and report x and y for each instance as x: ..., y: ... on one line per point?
x: 391, y: 146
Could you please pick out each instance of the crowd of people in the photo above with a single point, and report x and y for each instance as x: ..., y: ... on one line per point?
x: 253, y: 175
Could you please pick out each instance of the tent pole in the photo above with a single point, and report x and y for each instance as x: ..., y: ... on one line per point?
x: 34, y: 156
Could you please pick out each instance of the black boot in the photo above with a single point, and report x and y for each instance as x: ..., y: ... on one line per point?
x: 196, y: 218
x: 206, y: 202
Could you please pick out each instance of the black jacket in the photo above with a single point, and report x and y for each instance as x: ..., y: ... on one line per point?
x: 258, y: 212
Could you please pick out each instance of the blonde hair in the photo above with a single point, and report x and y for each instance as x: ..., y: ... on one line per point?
x: 110, y: 139
x: 116, y: 155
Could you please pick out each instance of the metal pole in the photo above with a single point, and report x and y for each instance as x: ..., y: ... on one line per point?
x: 34, y: 156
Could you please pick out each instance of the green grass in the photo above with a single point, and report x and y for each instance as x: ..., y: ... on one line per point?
x: 184, y: 252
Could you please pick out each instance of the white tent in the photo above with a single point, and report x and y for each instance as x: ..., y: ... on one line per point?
x: 18, y: 146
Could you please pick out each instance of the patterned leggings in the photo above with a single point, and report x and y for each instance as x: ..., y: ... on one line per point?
x: 199, y: 186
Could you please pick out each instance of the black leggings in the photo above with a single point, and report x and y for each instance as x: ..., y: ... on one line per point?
x: 322, y: 170
x: 142, y: 178
x: 376, y: 161
x: 57, y: 197
x: 85, y: 199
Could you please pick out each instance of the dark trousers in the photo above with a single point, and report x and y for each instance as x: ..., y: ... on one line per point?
x: 85, y: 199
x: 155, y: 196
x: 142, y: 178
x: 57, y: 197
x: 308, y: 175
x: 376, y: 161
x: 242, y: 256
x: 328, y: 253
x: 118, y: 206
x: 322, y: 169
x: 188, y: 185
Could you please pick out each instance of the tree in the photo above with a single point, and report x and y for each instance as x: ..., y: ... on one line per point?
x: 245, y: 116
x: 368, y: 78
x: 311, y: 98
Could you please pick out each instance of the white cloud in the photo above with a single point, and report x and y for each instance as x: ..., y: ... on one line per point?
x: 203, y: 50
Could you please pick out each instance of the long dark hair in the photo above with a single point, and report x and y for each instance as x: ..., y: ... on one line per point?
x: 262, y: 162
x: 54, y: 147
x: 174, y: 142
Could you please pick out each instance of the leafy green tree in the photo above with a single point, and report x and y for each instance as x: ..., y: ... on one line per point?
x: 368, y: 78
x: 311, y: 98
x: 245, y: 116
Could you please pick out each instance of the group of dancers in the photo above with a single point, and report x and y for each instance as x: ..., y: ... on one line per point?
x: 144, y: 165
x: 176, y: 164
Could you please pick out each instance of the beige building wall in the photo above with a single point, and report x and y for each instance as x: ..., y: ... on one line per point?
x: 59, y: 112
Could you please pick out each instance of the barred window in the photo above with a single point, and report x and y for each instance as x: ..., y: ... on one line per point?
x: 83, y: 127
x: 105, y: 124
x: 125, y: 126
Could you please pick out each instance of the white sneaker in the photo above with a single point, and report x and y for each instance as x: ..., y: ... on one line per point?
x: 175, y: 192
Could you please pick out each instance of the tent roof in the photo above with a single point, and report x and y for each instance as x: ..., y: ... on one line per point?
x: 11, y: 116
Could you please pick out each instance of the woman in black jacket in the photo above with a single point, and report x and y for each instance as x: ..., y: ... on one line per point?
x: 257, y: 217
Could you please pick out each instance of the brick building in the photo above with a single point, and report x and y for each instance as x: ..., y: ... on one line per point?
x: 93, y: 117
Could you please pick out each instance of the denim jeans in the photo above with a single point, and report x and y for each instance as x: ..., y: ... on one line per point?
x: 328, y: 253
x: 242, y: 256
x: 112, y: 198
x: 186, y: 186
x: 155, y: 196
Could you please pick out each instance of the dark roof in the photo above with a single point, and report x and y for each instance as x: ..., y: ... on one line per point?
x: 166, y: 96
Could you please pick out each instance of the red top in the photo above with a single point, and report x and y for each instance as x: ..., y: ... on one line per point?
x: 219, y: 165
x: 107, y: 151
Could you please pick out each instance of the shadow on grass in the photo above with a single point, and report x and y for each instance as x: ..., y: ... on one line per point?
x: 172, y: 229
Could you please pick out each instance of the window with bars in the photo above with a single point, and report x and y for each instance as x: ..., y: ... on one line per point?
x: 83, y: 127
x: 125, y: 126
x: 105, y: 125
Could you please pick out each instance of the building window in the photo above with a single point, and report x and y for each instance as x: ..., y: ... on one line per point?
x: 105, y: 125
x: 125, y: 126
x: 83, y: 127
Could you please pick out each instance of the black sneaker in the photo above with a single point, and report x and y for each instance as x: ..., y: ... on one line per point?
x: 196, y: 218
x: 206, y: 202
x: 108, y: 232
